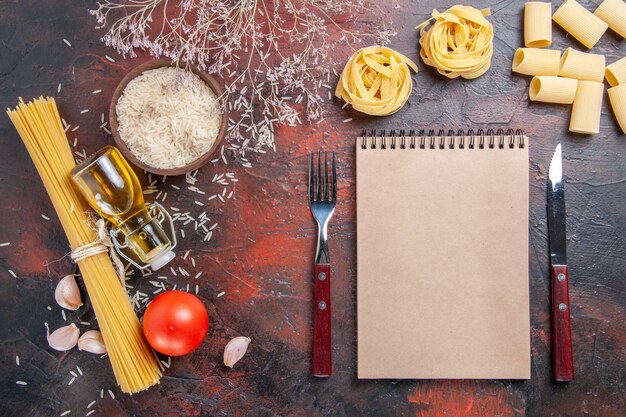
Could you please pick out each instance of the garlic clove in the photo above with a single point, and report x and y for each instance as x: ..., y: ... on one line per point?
x: 64, y: 338
x: 67, y: 293
x: 92, y: 342
x: 235, y: 349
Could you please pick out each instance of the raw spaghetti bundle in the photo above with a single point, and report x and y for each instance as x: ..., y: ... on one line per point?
x: 134, y: 363
x: 459, y: 43
x: 376, y: 80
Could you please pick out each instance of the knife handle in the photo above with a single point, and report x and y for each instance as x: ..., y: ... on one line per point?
x: 322, y: 354
x: 562, y: 357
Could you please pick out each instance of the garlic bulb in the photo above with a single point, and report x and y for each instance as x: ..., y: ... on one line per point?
x: 92, y: 342
x: 67, y: 293
x: 64, y: 338
x: 235, y: 349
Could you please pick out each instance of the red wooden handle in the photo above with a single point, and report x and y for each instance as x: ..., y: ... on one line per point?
x: 562, y: 357
x: 322, y: 355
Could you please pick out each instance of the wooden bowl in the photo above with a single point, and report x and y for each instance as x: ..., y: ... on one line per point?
x: 211, y: 81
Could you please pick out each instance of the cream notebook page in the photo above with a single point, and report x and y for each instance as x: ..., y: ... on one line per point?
x: 442, y: 261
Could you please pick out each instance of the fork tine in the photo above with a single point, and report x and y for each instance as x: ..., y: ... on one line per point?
x: 334, y: 179
x: 326, y: 184
x: 311, y: 179
x: 319, y: 183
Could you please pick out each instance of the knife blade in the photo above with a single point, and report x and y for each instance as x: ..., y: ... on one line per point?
x: 562, y: 356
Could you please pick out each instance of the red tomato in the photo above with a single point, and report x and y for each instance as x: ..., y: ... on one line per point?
x: 175, y: 323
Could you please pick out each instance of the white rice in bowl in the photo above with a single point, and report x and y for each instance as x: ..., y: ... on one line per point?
x: 168, y: 117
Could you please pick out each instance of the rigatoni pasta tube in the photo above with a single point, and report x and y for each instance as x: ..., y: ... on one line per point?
x: 552, y: 89
x: 580, y: 23
x: 613, y: 12
x: 616, y: 73
x: 586, y: 108
x: 533, y: 61
x: 582, y: 65
x: 617, y: 97
x: 537, y: 24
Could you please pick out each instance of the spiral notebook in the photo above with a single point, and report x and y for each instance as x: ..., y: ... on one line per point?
x: 442, y: 255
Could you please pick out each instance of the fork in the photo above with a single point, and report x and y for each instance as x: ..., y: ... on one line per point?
x: 322, y: 199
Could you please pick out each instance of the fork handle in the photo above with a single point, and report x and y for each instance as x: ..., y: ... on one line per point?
x: 322, y: 354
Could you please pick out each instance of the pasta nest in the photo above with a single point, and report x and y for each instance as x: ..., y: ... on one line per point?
x: 459, y: 43
x: 376, y: 81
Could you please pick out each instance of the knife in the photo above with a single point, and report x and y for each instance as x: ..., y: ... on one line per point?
x: 562, y: 357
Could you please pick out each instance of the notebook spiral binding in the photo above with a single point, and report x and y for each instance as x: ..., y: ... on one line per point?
x: 442, y: 140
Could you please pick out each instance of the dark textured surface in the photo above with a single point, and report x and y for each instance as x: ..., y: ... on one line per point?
x: 262, y: 251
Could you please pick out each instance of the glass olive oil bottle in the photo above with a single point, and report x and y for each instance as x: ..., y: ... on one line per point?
x: 112, y: 189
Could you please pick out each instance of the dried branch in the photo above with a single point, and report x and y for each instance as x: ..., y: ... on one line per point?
x: 274, y: 55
